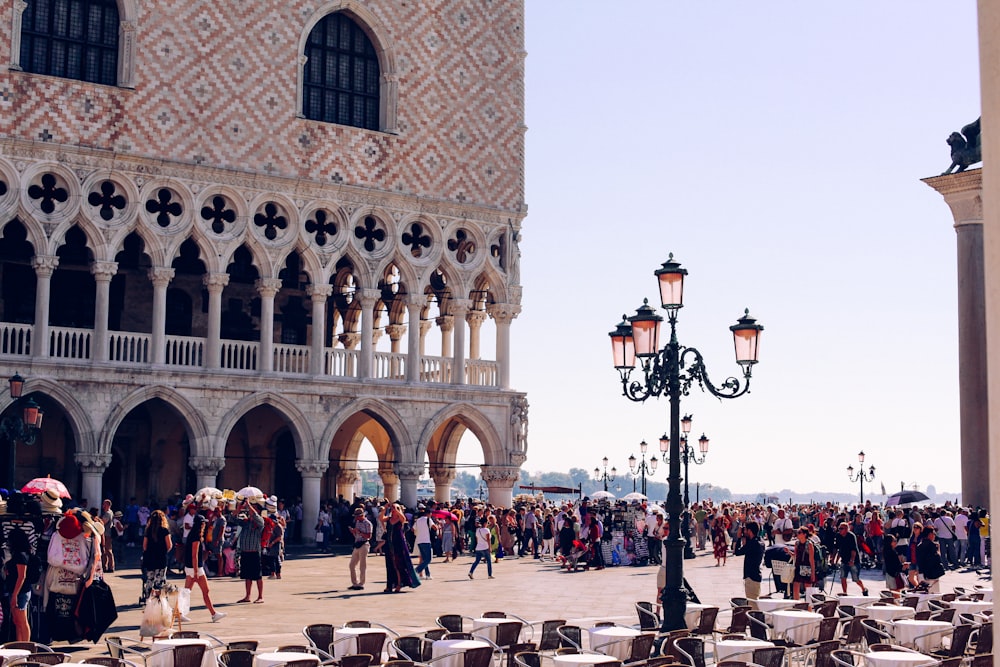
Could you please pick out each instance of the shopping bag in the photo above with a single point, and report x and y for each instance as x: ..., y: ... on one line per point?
x: 156, y: 617
x: 184, y: 601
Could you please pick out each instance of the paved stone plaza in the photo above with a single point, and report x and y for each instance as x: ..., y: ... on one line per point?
x: 314, y: 589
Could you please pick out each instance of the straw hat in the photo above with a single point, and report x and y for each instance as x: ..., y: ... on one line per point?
x: 51, y: 502
x: 96, y: 527
x: 271, y: 504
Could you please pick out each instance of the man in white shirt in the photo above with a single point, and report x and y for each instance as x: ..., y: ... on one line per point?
x: 944, y: 525
x: 962, y: 533
x: 422, y: 529
x: 784, y: 531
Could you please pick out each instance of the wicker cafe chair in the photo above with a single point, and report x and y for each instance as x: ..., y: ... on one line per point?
x: 356, y: 660
x: 692, y: 649
x: 319, y: 635
x: 984, y: 638
x: 514, y: 649
x: 31, y: 647
x: 570, y: 635
x: 528, y: 659
x: 189, y: 655
x: 550, y: 637
x: 43, y: 658
x: 234, y: 657
x: 413, y: 647
x: 649, y: 618
x: 248, y: 644
x: 105, y: 661
x: 452, y: 622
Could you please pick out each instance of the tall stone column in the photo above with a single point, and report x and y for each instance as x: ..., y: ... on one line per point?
x: 409, y: 474
x: 368, y: 298
x: 214, y: 283
x: 160, y: 276
x: 390, y: 483
x: 44, y: 266
x: 350, y: 341
x: 395, y: 333
x: 475, y: 319
x: 443, y: 479
x: 267, y: 288
x: 500, y: 482
x: 446, y: 323
x: 415, y: 340
x: 425, y: 327
x: 207, y: 469
x: 346, y: 480
x: 963, y: 194
x: 318, y: 294
x: 503, y: 314
x: 92, y: 467
x: 103, y: 272
x: 459, y: 309
x: 312, y: 474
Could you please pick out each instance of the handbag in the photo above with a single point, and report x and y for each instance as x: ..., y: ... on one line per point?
x: 65, y: 582
x: 805, y: 571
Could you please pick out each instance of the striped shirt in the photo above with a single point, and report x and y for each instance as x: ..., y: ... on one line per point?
x: 251, y: 532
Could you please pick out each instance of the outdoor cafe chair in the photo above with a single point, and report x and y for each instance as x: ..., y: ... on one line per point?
x: 458, y: 635
x: 473, y: 657
x: 946, y: 615
x: 507, y: 633
x: 960, y: 635
x: 571, y: 635
x: 854, y: 633
x: 649, y: 617
x: 120, y: 647
x: 105, y: 661
x: 188, y: 655
x: 692, y: 650
x: 319, y: 635
x: 549, y: 640
x: 435, y: 634
x: 248, y: 644
x: 759, y: 629
x: 876, y: 632
x: 452, y: 622
x: 528, y: 659
x: 413, y: 647
x: 235, y: 657
x: 737, y: 623
x: 357, y: 660
x: 641, y: 648
x: 395, y: 662
x: 370, y: 624
x: 845, y: 658
x: 984, y: 660
x: 514, y: 649
x: 828, y: 608
x: 984, y: 638
x: 706, y: 622
x: 33, y: 647
x: 666, y: 643
x: 43, y: 658
x: 922, y: 615
x: 662, y: 661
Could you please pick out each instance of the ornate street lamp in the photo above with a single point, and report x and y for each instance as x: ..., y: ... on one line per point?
x: 861, y: 476
x: 643, y: 468
x: 604, y: 476
x: 24, y: 425
x: 671, y: 372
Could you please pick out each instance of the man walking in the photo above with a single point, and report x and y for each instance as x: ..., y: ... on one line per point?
x: 362, y: 532
x: 752, y: 550
x: 248, y: 543
x: 847, y: 550
x: 422, y: 529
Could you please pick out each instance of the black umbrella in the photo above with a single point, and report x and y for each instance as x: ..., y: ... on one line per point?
x: 906, y: 497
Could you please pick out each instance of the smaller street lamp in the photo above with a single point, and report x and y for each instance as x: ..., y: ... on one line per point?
x: 604, y: 476
x: 24, y: 425
x: 642, y: 468
x: 861, y: 477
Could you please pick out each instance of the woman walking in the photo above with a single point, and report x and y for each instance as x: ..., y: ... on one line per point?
x: 156, y: 544
x: 399, y: 570
x: 483, y: 539
x: 720, y: 545
x: 805, y: 563
x: 194, y: 567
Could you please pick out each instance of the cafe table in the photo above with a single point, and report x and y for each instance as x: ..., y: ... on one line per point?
x: 858, y: 600
x: 160, y: 658
x: 443, y: 647
x: 987, y: 592
x: 969, y: 607
x: 907, y: 632
x: 726, y: 648
x: 281, y: 657
x: 796, y: 625
x: 613, y: 640
x: 349, y: 645
x: 773, y: 604
x: 897, y: 659
x: 889, y: 612
x: 487, y: 627
x: 692, y: 614
x: 7, y: 653
x: 582, y: 659
x: 922, y: 599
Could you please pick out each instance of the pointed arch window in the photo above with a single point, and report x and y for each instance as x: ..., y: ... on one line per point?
x: 341, y: 74
x: 75, y: 39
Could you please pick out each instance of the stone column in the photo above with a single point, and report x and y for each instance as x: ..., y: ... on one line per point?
x: 318, y: 295
x: 475, y: 319
x: 425, y: 327
x: 459, y: 309
x: 92, y: 467
x: 312, y: 474
x: 44, y: 266
x: 267, y: 288
x: 409, y: 474
x: 390, y: 483
x: 160, y: 276
x: 207, y: 469
x: 350, y: 341
x: 103, y: 272
x: 415, y: 341
x: 963, y: 194
x: 346, y: 479
x: 395, y: 333
x: 500, y: 482
x: 503, y: 314
x: 367, y: 298
x: 214, y: 283
x: 443, y: 478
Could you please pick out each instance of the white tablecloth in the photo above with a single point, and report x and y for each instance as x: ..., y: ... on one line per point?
x: 924, y: 597
x: 987, y: 592
x: 725, y: 648
x: 692, y: 614
x: 166, y: 659
x: 350, y: 646
x: 617, y: 639
x: 890, y: 612
x: 773, y: 604
x: 896, y: 659
x: 907, y: 630
x: 857, y: 600
x: 445, y: 646
x: 276, y: 658
x: 969, y: 607
x: 582, y: 659
x: 487, y: 627
x: 8, y: 653
x: 797, y: 625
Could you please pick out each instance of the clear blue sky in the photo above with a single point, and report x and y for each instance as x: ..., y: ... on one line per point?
x: 776, y: 149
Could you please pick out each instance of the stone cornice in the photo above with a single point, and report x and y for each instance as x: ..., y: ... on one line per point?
x: 964, y: 181
x: 82, y: 159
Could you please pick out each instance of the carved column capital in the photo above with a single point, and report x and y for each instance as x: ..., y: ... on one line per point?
x: 349, y: 340
x: 459, y: 307
x: 446, y: 323
x: 388, y: 476
x: 160, y: 276
x: 312, y: 468
x: 103, y: 271
x: 409, y: 470
x: 268, y: 287
x: 368, y: 297
x: 319, y: 291
x: 207, y: 465
x: 500, y: 476
x: 348, y: 476
x: 443, y: 475
x: 503, y: 313
x: 395, y: 331
x: 475, y: 318
x: 425, y: 326
x: 215, y: 282
x: 44, y: 265
x: 92, y: 463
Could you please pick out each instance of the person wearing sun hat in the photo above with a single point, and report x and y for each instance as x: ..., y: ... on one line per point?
x: 51, y: 502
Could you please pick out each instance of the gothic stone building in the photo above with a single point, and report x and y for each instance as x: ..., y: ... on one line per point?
x: 240, y: 237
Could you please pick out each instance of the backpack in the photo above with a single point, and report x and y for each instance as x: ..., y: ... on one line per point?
x: 822, y: 561
x: 34, y: 571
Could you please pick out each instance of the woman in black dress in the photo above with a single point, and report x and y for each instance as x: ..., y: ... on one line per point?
x: 399, y: 570
x: 156, y: 544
